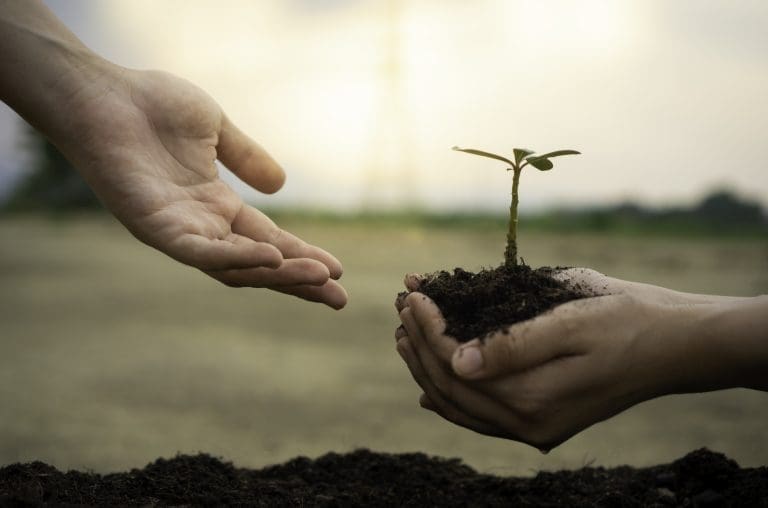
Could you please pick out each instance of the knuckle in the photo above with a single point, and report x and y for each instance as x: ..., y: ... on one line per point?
x: 436, y: 327
x: 245, y: 153
x: 276, y: 235
x: 412, y: 298
x: 199, y: 258
x: 511, y: 348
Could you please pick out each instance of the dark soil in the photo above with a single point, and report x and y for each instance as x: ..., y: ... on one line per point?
x: 476, y: 304
x: 364, y: 478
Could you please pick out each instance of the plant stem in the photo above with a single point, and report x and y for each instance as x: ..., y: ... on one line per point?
x: 510, y: 254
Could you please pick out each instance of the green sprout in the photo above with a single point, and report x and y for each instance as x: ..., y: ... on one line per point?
x: 523, y: 157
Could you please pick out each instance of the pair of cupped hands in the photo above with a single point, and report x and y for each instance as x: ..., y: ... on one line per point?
x: 543, y: 380
x: 147, y: 143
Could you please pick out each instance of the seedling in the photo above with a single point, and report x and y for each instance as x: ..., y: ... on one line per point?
x: 523, y: 157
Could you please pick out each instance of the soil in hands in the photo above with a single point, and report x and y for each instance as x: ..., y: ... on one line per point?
x: 365, y: 478
x: 477, y: 304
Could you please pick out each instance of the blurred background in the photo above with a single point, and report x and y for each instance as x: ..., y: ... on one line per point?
x: 112, y: 355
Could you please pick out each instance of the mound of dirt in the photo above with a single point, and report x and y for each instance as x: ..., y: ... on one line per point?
x: 475, y: 304
x: 365, y: 478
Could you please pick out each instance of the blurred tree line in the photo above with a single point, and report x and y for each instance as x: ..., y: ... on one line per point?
x: 721, y: 212
x: 51, y: 184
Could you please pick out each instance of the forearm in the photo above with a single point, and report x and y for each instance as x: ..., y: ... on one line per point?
x: 45, y: 69
x: 695, y: 298
x: 739, y: 332
x: 718, y: 346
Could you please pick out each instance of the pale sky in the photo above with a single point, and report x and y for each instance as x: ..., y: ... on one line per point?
x: 361, y: 100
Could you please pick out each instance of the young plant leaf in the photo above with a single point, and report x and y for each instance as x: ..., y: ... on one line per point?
x: 541, y: 164
x: 521, y: 153
x: 557, y: 153
x: 484, y: 154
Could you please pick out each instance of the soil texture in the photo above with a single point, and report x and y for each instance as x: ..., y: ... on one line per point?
x: 476, y: 304
x: 365, y: 478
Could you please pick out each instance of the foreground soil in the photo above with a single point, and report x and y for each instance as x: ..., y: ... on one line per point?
x: 364, y: 478
x: 476, y: 304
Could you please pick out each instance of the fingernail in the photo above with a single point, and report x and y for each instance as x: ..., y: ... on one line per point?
x: 468, y: 360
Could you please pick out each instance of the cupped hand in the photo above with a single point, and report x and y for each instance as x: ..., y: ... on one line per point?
x: 543, y: 380
x: 147, y: 143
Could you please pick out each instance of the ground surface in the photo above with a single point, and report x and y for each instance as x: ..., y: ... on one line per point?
x: 364, y: 478
x: 112, y: 355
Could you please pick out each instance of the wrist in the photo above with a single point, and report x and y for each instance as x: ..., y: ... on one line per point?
x: 76, y: 98
x: 89, y: 103
x: 53, y: 72
x: 739, y: 334
x: 715, y: 346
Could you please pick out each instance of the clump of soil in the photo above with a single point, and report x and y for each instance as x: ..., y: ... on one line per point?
x: 365, y: 478
x: 476, y: 304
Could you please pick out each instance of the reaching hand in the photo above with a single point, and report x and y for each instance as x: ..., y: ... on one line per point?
x: 146, y: 142
x: 543, y: 380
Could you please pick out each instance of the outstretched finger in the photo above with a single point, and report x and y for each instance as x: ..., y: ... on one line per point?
x: 256, y: 225
x: 291, y: 272
x: 246, y: 159
x: 331, y: 293
x: 233, y: 252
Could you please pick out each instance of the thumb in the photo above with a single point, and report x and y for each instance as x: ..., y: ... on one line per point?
x: 514, y: 349
x: 249, y: 161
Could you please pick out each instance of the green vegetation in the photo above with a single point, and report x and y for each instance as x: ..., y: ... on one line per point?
x: 523, y: 157
x: 52, y: 184
x: 721, y: 215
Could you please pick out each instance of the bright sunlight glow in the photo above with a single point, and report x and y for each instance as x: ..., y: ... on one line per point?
x: 362, y: 100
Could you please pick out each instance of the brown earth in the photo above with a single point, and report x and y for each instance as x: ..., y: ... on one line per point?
x: 475, y: 304
x: 365, y: 478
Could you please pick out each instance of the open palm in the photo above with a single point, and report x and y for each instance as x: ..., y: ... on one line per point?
x: 147, y: 144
